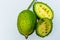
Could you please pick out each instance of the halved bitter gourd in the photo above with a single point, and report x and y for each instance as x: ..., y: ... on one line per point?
x: 43, y: 10
x: 44, y: 27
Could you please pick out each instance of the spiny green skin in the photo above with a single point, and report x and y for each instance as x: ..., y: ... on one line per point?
x: 43, y: 4
x: 40, y: 22
x: 26, y: 22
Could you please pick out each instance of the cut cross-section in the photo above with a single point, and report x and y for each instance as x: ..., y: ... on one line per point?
x: 43, y: 10
x: 44, y: 27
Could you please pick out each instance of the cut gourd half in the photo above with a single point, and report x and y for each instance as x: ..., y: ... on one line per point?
x: 44, y: 27
x: 43, y: 10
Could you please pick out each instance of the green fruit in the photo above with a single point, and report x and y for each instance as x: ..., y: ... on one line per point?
x: 43, y: 10
x: 26, y: 22
x: 44, y: 27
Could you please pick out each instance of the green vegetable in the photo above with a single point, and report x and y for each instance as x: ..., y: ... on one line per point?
x: 26, y: 22
x: 44, y: 27
x: 43, y: 10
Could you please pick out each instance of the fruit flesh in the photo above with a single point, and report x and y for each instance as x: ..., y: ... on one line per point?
x: 44, y: 27
x: 43, y: 10
x: 26, y: 23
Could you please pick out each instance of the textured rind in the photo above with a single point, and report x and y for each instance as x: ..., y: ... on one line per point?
x: 43, y: 4
x: 32, y: 18
x: 40, y: 21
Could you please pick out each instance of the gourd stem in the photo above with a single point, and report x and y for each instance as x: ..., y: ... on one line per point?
x: 31, y: 4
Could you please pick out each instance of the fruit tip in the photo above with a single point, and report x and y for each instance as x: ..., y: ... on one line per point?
x: 26, y: 37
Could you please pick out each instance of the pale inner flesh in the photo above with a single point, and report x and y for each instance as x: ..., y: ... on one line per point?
x: 44, y: 29
x: 43, y: 11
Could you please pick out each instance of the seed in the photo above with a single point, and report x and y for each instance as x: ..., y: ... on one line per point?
x: 45, y: 32
x: 47, y: 11
x: 40, y: 5
x: 46, y: 29
x: 42, y: 32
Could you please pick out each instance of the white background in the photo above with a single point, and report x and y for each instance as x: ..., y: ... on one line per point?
x: 9, y: 10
